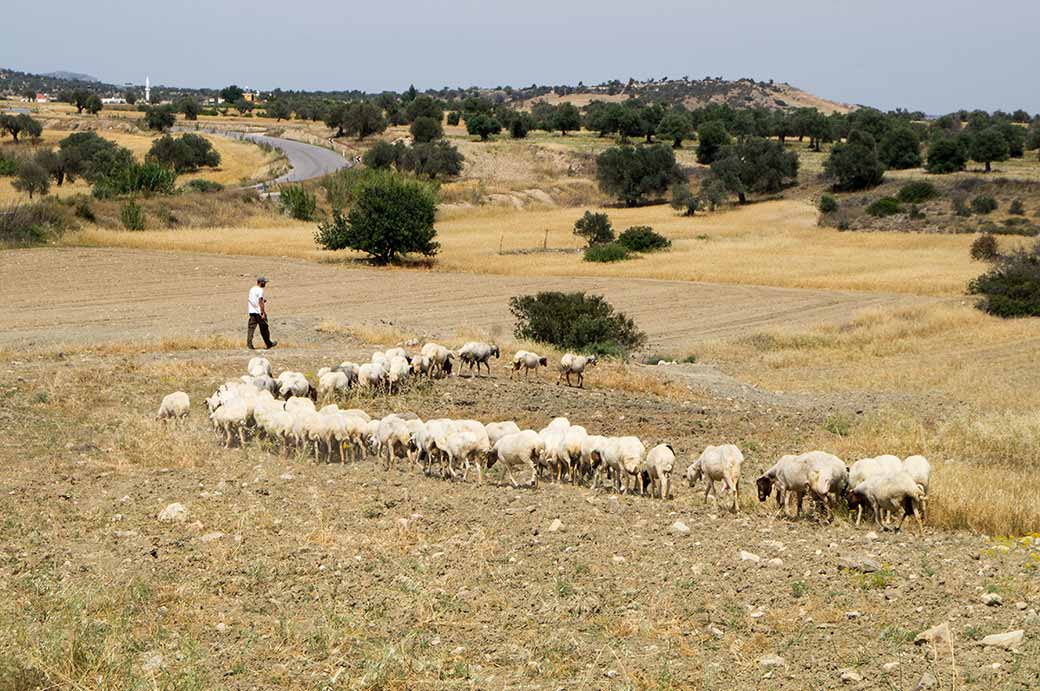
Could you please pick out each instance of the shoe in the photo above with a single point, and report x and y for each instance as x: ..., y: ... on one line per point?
x: 273, y: 344
x: 250, y: 347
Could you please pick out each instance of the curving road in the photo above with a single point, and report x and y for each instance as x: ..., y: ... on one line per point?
x: 306, y: 160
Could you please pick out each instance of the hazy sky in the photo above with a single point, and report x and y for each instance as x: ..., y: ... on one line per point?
x: 933, y: 55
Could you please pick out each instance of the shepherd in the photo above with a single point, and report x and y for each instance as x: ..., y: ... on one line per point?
x: 258, y: 314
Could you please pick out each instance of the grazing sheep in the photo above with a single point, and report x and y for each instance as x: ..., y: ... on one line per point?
x: 371, y: 376
x: 790, y: 476
x: 520, y: 451
x: 299, y: 404
x: 568, y: 453
x: 920, y: 470
x: 397, y: 373
x: 575, y: 364
x: 477, y: 354
x: 174, y: 405
x: 866, y: 468
x: 231, y: 419
x: 718, y: 464
x: 393, y: 439
x: 828, y: 479
x: 552, y: 436
x: 497, y: 430
x: 468, y: 444
x: 391, y: 353
x: 350, y: 369
x: 623, y: 457
x: 591, y: 459
x: 265, y: 383
x: 659, y: 463
x: 422, y: 366
x: 527, y: 361
x: 296, y: 385
x: 259, y: 367
x: 440, y: 358
x: 889, y: 494
x: 332, y: 384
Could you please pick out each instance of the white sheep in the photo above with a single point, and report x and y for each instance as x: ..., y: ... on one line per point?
x: 332, y: 384
x: 371, y: 376
x: 174, y: 405
x: 552, y: 437
x: 397, y: 373
x: 790, y: 477
x: 393, y: 437
x: 888, y: 494
x: 440, y: 358
x: 660, y: 461
x: 575, y: 364
x: 527, y: 361
x: 519, y: 451
x: 591, y: 459
x: 866, y: 468
x: 259, y: 367
x: 497, y: 430
x: 720, y: 463
x: 295, y: 385
x: 828, y: 478
x: 422, y: 365
x: 477, y: 353
x: 391, y: 353
x: 231, y: 419
x: 624, y: 458
x: 568, y: 453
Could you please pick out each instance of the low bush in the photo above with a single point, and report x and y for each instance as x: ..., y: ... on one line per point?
x: 1012, y: 287
x: 298, y: 203
x: 916, y: 192
x: 574, y: 321
x: 886, y: 206
x: 915, y: 213
x: 29, y: 224
x: 959, y: 206
x: 199, y: 185
x: 683, y: 199
x: 84, y: 210
x: 827, y: 204
x: 983, y: 204
x: 131, y: 215
x: 1017, y: 208
x: 985, y: 248
x: 148, y: 178
x: 643, y: 239
x: 606, y: 252
x: 8, y: 165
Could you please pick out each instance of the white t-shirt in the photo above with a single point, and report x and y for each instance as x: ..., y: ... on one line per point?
x: 256, y: 293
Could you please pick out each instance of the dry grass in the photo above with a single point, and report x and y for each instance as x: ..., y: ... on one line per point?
x: 771, y: 243
x: 241, y: 162
x: 971, y: 395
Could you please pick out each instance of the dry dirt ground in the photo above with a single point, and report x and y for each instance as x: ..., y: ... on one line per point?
x: 75, y: 296
x: 291, y: 574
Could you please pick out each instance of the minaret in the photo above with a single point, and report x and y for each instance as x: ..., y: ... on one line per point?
x: 147, y: 91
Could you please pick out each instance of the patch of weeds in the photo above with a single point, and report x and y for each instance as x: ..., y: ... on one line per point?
x: 581, y: 569
x: 372, y: 512
x: 992, y: 588
x: 839, y: 425
x: 701, y: 237
x: 876, y: 581
x: 564, y: 589
x: 41, y: 397
x: 897, y: 634
x: 973, y: 633
x: 690, y: 584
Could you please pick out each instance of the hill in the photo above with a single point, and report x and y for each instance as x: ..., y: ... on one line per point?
x: 71, y: 76
x: 692, y: 93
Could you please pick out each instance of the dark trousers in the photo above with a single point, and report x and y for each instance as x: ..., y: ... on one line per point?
x: 265, y: 332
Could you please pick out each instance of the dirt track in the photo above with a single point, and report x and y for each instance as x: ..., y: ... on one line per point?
x: 56, y: 296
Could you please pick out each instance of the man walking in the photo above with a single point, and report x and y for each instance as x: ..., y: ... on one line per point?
x: 258, y: 314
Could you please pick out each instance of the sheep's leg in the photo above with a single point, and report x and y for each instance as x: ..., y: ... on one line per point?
x: 512, y: 480
x: 800, y: 496
x: 709, y: 486
x: 917, y: 516
x: 859, y: 514
x: 581, y: 380
x: 242, y: 436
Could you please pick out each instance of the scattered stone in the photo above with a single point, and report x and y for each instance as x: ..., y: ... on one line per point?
x: 926, y: 681
x: 748, y: 556
x: 125, y: 533
x: 716, y: 631
x: 556, y: 525
x: 613, y: 505
x: 991, y: 599
x: 221, y: 627
x: 210, y: 537
x: 859, y: 563
x: 1020, y: 605
x: 1008, y: 640
x: 871, y: 536
x: 852, y: 615
x: 286, y: 476
x: 618, y: 559
x: 889, y: 666
x: 775, y: 562
x: 680, y: 528
x: 611, y: 673
x: 152, y: 663
x: 770, y: 661
x: 851, y: 677
x: 458, y: 651
x: 938, y: 634
x: 174, y: 513
x: 197, y: 526
x: 403, y: 523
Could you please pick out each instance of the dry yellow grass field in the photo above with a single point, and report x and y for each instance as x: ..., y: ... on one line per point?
x: 773, y: 243
x: 239, y: 162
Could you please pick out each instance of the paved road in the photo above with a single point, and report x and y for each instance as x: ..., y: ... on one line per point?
x: 307, y: 160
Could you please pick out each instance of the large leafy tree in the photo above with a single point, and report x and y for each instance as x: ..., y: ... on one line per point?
x: 675, y: 126
x: 899, y: 149
x: 482, y: 125
x: 391, y: 216
x: 32, y: 178
x: 93, y: 104
x: 424, y: 106
x: 632, y: 172
x: 946, y: 154
x: 232, y: 94
x: 987, y: 146
x: 97, y: 157
x: 159, y: 118
x: 566, y: 118
x: 754, y: 164
x: 854, y: 165
x: 19, y: 124
x: 426, y: 129
x: 190, y: 107
x: 357, y: 118
x: 711, y: 137
x: 184, y: 154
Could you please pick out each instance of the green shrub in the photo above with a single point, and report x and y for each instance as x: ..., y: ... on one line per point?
x: 383, y: 155
x: 343, y: 186
x: 595, y: 228
x: 200, y: 185
x: 8, y: 165
x: 84, y: 210
x: 605, y: 252
x: 298, y: 203
x: 132, y: 215
x: 574, y: 321
x: 149, y: 178
x: 29, y: 224
x: 828, y: 204
x: 985, y: 248
x: 983, y: 204
x: 886, y: 206
x: 454, y: 118
x: 917, y: 192
x: 1017, y: 208
x: 643, y: 239
x: 1012, y: 287
x: 683, y: 199
x: 959, y: 206
x: 185, y: 154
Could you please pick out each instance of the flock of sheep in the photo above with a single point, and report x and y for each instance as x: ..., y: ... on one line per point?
x: 283, y: 412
